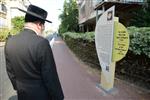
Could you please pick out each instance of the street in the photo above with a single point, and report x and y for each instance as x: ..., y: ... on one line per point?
x: 6, y: 90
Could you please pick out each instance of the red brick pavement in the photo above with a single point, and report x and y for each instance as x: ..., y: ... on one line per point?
x: 77, y: 84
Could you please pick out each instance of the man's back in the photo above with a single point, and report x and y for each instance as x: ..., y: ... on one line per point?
x: 23, y: 51
x: 30, y: 59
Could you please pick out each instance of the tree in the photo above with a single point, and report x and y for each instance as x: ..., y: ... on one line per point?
x: 18, y: 23
x: 69, y: 17
x: 141, y: 17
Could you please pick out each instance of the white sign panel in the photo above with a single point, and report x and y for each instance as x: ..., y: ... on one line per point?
x: 104, y: 39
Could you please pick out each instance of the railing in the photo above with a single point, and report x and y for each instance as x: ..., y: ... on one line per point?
x: 95, y: 2
x: 133, y: 1
x: 136, y: 1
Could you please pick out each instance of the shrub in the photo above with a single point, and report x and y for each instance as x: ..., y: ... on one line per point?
x: 3, y: 34
x: 18, y: 23
x: 88, y: 36
x: 139, y: 40
x: 134, y: 67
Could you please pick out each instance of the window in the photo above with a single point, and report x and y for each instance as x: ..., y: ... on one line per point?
x: 3, y: 8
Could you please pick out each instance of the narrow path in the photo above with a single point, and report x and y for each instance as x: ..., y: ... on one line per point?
x: 79, y: 85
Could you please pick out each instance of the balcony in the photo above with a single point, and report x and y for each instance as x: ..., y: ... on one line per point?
x: 122, y: 1
x: 121, y: 5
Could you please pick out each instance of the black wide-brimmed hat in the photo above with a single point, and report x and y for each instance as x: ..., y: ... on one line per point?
x: 35, y: 13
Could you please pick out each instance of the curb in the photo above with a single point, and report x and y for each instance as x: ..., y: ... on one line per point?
x: 2, y: 44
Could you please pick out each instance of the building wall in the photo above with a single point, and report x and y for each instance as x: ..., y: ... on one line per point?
x: 5, y: 17
x: 17, y: 3
x: 86, y: 8
x: 87, y: 14
x: 3, y: 14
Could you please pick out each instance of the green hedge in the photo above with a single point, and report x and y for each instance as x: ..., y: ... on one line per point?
x: 139, y: 39
x: 83, y: 49
x: 88, y: 36
x: 134, y: 67
x: 3, y: 34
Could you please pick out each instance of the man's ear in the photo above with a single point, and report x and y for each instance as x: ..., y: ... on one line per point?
x: 38, y: 25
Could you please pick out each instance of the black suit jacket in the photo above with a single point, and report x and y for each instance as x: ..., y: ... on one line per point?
x: 31, y: 67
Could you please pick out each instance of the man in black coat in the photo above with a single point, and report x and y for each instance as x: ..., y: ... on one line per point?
x: 29, y: 60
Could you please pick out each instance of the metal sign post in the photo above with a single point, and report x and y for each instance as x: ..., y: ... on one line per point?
x: 112, y: 41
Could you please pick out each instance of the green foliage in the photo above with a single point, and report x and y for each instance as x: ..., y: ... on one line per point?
x: 141, y: 16
x: 69, y: 17
x: 134, y: 68
x: 140, y: 40
x: 14, y: 31
x: 83, y: 45
x: 3, y: 34
x: 18, y: 23
x: 62, y: 28
x: 88, y: 36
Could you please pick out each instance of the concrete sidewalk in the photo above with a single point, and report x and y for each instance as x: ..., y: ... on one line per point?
x: 78, y: 84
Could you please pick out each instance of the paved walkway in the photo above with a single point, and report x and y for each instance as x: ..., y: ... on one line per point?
x: 6, y: 90
x: 79, y: 85
x: 76, y: 82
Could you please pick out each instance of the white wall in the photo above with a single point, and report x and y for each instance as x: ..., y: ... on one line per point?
x: 15, y: 12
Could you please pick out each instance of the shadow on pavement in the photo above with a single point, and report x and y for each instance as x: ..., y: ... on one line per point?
x: 14, y: 97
